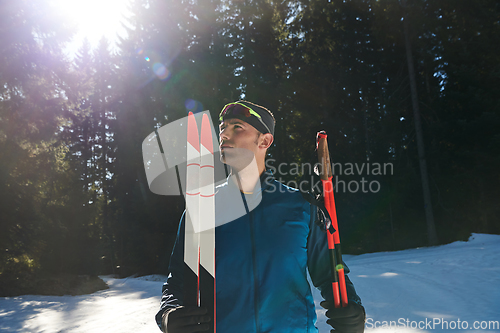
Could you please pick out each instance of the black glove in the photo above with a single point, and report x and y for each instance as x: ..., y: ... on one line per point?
x: 185, y: 319
x: 350, y: 319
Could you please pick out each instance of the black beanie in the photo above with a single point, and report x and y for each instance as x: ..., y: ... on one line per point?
x: 267, y: 117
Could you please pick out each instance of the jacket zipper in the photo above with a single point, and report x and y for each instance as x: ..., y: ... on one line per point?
x: 254, y: 264
x: 255, y: 275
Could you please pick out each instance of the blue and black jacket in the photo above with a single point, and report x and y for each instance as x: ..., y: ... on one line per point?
x: 261, y: 262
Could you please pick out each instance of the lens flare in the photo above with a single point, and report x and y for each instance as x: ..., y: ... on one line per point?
x: 193, y: 106
x: 161, y: 71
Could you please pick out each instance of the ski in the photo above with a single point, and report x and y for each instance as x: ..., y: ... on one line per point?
x: 207, y: 232
x: 199, y: 246
x: 336, y: 263
x: 192, y: 238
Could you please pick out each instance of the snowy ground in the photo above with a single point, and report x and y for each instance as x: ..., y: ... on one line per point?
x: 454, y: 286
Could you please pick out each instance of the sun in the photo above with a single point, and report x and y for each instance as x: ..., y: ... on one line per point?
x: 95, y: 18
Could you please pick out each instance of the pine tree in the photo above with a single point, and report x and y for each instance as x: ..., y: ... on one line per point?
x: 35, y: 78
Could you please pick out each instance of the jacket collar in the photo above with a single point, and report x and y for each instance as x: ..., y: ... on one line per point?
x: 266, y: 179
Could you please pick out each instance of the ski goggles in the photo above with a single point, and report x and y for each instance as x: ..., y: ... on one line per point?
x: 245, y: 113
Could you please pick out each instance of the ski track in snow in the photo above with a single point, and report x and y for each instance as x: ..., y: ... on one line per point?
x: 457, y: 281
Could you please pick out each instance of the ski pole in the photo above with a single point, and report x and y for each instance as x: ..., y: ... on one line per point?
x: 336, y: 263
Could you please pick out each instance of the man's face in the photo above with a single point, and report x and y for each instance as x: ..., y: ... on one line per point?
x: 239, y: 143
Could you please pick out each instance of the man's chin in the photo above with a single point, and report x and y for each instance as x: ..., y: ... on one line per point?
x: 237, y: 158
x: 228, y: 160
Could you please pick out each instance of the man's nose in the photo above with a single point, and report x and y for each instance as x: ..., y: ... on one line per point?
x: 223, y: 134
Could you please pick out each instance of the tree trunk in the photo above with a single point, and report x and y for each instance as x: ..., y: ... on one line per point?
x: 247, y: 62
x: 431, y: 228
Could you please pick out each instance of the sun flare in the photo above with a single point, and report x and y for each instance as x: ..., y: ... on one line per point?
x: 95, y: 18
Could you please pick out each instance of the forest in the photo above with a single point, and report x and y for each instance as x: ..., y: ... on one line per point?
x: 407, y: 90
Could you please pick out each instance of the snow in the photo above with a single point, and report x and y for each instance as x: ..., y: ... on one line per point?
x: 417, y: 290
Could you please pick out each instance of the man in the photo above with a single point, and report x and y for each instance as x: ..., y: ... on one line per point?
x: 261, y: 255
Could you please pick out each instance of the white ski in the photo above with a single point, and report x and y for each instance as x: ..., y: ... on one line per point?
x: 199, y: 246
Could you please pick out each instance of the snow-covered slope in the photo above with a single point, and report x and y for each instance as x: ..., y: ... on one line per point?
x: 418, y: 290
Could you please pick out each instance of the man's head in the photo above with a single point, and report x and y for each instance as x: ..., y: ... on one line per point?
x: 246, y: 132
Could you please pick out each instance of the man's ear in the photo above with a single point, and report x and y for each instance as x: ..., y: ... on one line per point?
x: 266, y: 140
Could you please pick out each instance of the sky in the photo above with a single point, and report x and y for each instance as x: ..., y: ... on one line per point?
x: 448, y: 288
x: 94, y: 19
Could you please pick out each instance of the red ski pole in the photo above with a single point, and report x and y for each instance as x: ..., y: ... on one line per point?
x: 337, y: 267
